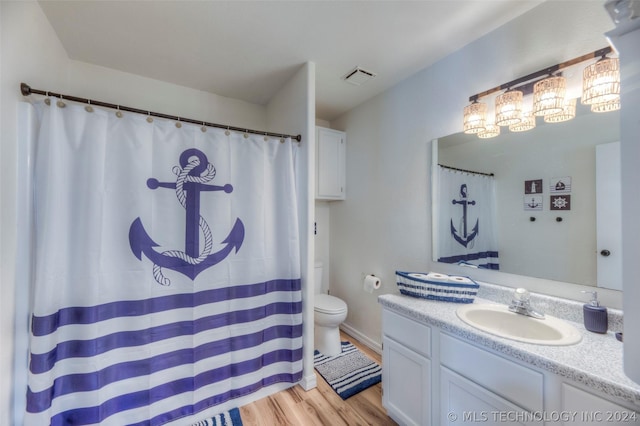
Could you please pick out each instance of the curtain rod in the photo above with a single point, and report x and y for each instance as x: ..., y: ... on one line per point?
x: 544, y: 72
x: 27, y: 90
x: 465, y: 171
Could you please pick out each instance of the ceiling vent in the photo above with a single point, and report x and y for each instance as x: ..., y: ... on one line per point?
x: 358, y: 76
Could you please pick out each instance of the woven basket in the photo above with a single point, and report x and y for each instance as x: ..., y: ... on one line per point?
x: 456, y: 289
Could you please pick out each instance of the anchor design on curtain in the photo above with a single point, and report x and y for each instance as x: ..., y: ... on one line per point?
x: 193, y: 174
x: 464, y: 238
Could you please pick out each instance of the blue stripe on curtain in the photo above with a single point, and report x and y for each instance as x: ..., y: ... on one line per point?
x: 474, y: 256
x: 39, y: 401
x: 88, y: 348
x: 97, y: 414
x: 92, y: 314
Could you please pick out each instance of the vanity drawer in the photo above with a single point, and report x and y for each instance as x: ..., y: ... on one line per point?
x: 407, y: 332
x: 512, y: 381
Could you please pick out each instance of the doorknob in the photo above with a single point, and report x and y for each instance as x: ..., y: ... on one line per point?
x: 605, y: 253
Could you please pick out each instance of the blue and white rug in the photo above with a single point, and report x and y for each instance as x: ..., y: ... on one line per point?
x: 228, y: 418
x: 349, y: 372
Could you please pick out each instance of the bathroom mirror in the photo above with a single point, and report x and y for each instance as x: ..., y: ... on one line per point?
x: 544, y: 200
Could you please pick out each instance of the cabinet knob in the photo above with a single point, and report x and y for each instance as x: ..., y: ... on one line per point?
x: 605, y: 253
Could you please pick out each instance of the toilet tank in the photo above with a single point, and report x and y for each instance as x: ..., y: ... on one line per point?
x: 318, y: 278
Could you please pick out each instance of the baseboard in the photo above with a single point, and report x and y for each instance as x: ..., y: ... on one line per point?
x: 375, y: 346
x: 308, y: 382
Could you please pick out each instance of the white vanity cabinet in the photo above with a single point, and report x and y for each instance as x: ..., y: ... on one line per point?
x: 330, y: 164
x: 436, y: 377
x: 479, y: 386
x: 591, y: 409
x: 464, y: 402
x: 406, y: 371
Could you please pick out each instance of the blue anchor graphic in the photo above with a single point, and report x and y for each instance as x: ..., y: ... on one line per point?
x: 533, y: 204
x: 193, y: 174
x: 465, y: 238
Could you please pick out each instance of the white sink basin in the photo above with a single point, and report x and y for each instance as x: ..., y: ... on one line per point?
x: 498, y: 320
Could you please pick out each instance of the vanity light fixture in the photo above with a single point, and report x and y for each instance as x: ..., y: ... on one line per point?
x: 568, y: 112
x: 548, y: 95
x: 491, y: 131
x: 528, y: 122
x: 549, y: 90
x: 475, y: 115
x: 613, y: 105
x: 601, y: 81
x: 509, y: 108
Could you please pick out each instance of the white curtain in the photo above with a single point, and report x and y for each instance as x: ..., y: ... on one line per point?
x: 167, y: 271
x: 466, y: 219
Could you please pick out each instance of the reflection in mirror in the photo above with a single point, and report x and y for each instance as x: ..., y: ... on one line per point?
x: 536, y: 216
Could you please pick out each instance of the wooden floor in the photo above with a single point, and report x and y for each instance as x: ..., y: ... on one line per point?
x: 320, y: 406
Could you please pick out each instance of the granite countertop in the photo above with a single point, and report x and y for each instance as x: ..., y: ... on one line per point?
x: 595, y: 362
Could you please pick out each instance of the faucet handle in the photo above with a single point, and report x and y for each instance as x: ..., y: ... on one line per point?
x: 594, y: 297
x: 521, y: 295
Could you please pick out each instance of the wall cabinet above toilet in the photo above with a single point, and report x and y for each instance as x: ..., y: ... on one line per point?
x: 330, y: 164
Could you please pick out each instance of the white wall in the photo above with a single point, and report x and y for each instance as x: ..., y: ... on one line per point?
x: 385, y: 223
x: 32, y: 53
x: 293, y: 110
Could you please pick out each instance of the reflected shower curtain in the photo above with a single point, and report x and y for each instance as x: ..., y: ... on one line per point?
x: 467, y: 219
x: 167, y: 277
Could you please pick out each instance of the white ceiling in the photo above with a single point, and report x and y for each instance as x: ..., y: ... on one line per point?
x: 248, y: 49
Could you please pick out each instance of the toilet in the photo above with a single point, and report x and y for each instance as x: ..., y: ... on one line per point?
x: 329, y: 313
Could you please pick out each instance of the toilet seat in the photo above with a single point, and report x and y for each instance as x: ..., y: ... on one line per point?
x: 327, y: 304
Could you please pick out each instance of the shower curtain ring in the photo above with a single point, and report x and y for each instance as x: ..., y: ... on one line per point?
x: 118, y: 112
x: 61, y: 103
x: 246, y: 133
x: 227, y: 132
x: 88, y: 108
x: 203, y: 128
x: 47, y: 100
x: 178, y: 123
x: 266, y: 138
x: 149, y: 118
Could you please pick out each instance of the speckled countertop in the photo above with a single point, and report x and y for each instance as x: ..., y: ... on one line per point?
x: 595, y: 362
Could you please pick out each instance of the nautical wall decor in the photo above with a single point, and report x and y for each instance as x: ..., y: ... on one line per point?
x: 560, y: 184
x: 533, y: 202
x: 560, y: 202
x: 533, y: 186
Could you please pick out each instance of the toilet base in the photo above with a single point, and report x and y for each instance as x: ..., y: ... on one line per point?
x: 327, y: 340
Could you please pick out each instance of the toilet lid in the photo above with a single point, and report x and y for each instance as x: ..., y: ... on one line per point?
x: 329, y: 304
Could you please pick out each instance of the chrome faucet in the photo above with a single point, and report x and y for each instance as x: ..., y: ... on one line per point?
x: 521, y: 304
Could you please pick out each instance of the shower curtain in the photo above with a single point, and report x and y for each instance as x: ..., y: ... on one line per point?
x: 167, y: 270
x: 467, y: 219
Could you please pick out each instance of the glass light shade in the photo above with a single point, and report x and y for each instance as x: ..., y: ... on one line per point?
x: 509, y: 108
x: 474, y: 117
x: 548, y: 95
x: 568, y: 112
x: 601, y: 81
x: 528, y: 122
x: 612, y: 105
x: 491, y: 131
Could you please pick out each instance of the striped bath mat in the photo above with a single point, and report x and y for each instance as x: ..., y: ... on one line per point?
x: 228, y: 418
x: 349, y: 372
